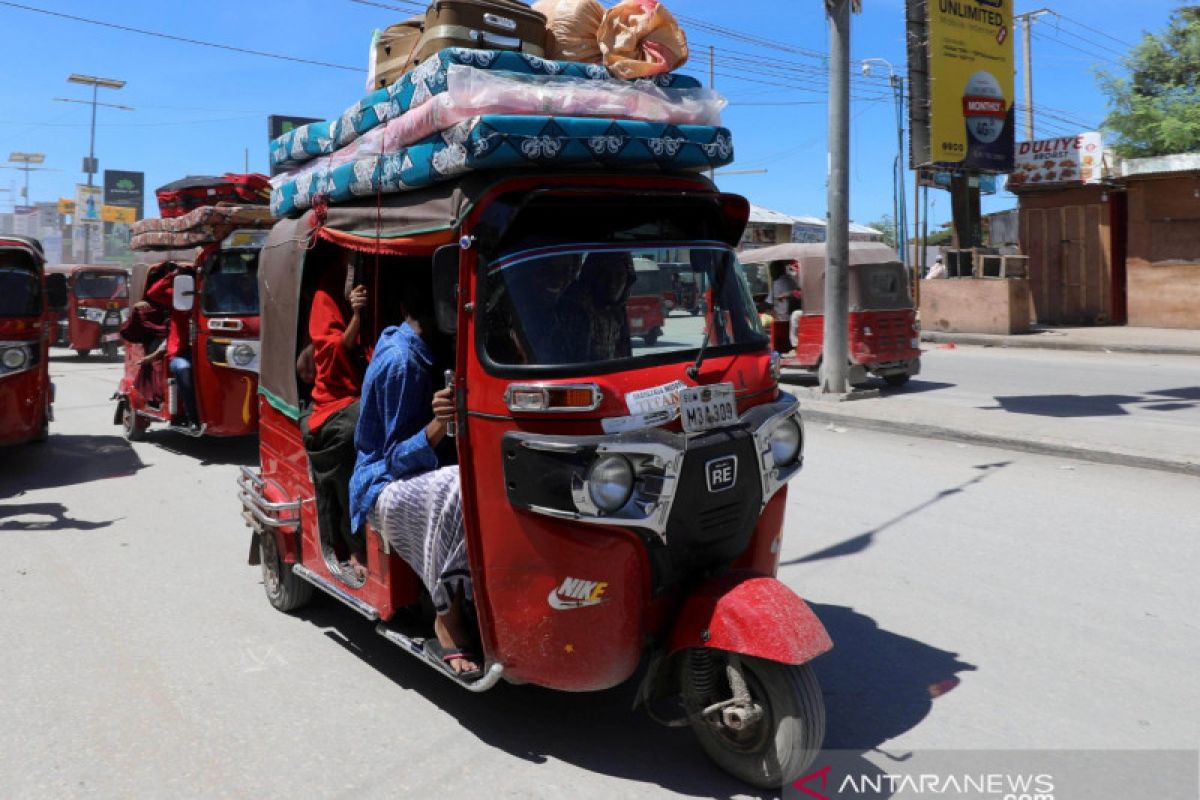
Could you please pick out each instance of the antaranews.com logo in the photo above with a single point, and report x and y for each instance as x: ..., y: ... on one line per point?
x: 1002, y: 775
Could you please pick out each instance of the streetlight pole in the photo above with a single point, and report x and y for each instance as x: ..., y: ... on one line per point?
x: 26, y: 159
x: 90, y: 165
x: 899, y: 201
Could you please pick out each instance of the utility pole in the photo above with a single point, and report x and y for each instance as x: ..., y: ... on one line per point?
x: 90, y: 166
x: 1026, y: 21
x: 835, y: 356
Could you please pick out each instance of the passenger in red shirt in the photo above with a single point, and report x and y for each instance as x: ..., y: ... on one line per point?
x: 177, y: 347
x: 334, y: 321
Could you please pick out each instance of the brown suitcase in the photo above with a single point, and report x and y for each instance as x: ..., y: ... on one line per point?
x: 483, y: 25
x: 396, y: 50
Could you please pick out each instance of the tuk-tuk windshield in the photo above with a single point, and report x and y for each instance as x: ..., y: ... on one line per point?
x: 101, y: 286
x: 20, y: 294
x: 573, y: 305
x: 231, y: 283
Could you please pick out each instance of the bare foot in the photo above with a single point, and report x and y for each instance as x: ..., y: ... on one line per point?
x: 358, y: 565
x: 450, y: 635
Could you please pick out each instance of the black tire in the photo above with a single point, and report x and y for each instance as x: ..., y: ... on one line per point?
x: 897, y: 380
x: 82, y: 352
x: 286, y: 590
x: 777, y: 749
x: 43, y: 432
x: 133, y: 426
x: 651, y: 337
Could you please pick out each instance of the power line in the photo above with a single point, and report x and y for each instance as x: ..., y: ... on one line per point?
x: 1079, y: 24
x: 184, y: 39
x: 1060, y: 42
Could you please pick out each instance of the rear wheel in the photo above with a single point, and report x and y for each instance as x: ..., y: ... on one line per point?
x: 897, y: 380
x: 776, y: 744
x: 651, y: 337
x: 285, y: 590
x: 82, y: 352
x: 133, y: 426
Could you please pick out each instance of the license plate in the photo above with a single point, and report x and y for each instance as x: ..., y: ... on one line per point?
x: 703, y: 408
x: 110, y: 337
x: 636, y: 322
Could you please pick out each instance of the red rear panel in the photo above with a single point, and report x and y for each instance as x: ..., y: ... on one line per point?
x: 880, y: 336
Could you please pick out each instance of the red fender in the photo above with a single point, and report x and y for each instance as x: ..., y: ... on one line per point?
x: 751, y: 614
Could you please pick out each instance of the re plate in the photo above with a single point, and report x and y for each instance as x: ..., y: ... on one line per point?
x: 703, y: 408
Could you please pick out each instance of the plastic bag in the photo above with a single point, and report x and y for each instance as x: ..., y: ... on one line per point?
x: 571, y: 27
x: 640, y: 38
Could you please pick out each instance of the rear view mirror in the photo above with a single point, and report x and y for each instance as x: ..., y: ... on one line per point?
x: 445, y: 288
x: 183, y: 292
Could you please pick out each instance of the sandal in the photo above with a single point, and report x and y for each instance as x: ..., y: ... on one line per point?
x: 448, y: 656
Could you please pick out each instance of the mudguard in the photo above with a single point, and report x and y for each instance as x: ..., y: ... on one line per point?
x: 751, y: 614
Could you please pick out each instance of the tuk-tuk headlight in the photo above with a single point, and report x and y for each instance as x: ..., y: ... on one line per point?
x: 610, y: 483
x: 14, y: 357
x: 786, y: 440
x: 242, y: 354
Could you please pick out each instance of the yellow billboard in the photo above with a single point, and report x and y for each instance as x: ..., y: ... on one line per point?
x: 118, y: 214
x: 971, y: 84
x: 66, y: 206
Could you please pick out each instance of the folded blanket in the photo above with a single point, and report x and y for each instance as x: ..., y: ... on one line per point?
x: 204, y: 225
x: 506, y: 141
x: 414, y: 88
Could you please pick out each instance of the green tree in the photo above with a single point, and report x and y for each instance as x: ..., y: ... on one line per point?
x: 1155, y: 109
x: 886, y: 225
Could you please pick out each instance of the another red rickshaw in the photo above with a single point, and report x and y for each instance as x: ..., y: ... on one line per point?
x: 618, y: 500
x: 647, y: 307
x: 884, y: 338
x: 88, y: 305
x: 220, y: 293
x: 26, y: 394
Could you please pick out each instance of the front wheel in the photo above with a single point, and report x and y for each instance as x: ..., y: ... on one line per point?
x: 770, y: 747
x: 133, y: 426
x: 651, y: 337
x: 286, y: 590
x: 82, y: 352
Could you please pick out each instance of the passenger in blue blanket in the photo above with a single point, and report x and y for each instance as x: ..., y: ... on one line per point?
x: 402, y: 487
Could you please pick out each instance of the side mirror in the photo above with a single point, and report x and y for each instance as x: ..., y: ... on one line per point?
x: 445, y: 287
x: 183, y: 292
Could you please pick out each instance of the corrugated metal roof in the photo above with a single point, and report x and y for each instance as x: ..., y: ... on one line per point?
x: 767, y: 216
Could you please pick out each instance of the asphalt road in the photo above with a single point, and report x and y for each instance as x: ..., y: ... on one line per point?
x: 977, y: 598
x: 1159, y: 392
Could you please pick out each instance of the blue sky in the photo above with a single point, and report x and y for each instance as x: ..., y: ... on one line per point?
x: 200, y: 109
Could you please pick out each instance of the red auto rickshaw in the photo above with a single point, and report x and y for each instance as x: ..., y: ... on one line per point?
x: 220, y: 293
x: 884, y: 338
x: 88, y: 304
x: 646, y: 306
x: 26, y: 394
x: 618, y: 502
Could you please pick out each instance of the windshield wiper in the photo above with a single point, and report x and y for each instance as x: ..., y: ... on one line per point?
x: 693, y: 371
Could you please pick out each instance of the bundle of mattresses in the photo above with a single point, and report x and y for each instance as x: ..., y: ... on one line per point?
x: 467, y: 109
x: 205, y: 225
